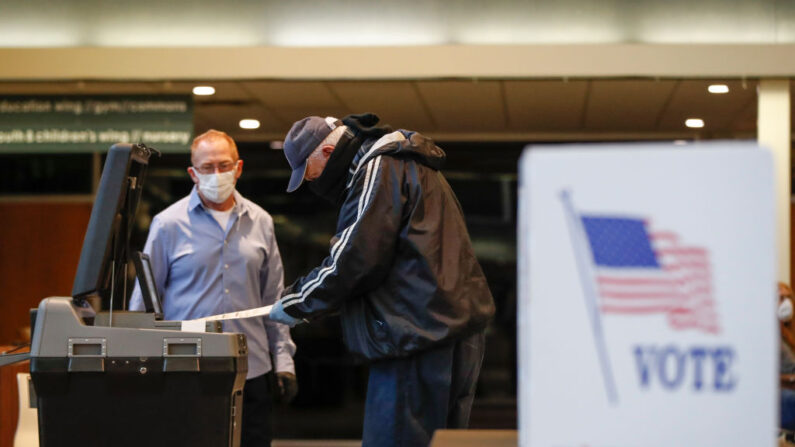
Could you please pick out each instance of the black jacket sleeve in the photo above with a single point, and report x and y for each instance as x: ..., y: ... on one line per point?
x: 362, y: 255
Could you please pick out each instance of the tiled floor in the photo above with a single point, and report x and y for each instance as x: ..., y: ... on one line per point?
x: 442, y: 438
x: 317, y: 443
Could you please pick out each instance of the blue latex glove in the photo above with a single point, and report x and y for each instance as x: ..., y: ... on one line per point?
x: 278, y: 314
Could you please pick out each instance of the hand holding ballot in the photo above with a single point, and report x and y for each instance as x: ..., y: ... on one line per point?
x: 279, y: 315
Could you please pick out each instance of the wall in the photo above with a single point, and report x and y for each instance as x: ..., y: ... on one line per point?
x: 39, y: 249
x: 792, y: 243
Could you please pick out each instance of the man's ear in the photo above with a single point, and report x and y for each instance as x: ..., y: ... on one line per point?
x: 238, y: 169
x: 192, y: 175
x: 327, y: 150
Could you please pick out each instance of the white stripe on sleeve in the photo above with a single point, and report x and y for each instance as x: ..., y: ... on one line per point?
x: 364, y: 200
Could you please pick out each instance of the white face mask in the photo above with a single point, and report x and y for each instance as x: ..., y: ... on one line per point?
x: 216, y: 187
x: 785, y: 310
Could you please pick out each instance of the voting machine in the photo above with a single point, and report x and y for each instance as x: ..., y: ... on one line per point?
x: 116, y: 378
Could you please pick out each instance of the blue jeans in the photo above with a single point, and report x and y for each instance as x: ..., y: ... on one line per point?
x: 408, y: 398
x: 787, y: 409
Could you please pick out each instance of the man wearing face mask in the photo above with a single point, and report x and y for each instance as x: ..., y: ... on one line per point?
x: 401, y: 272
x: 215, y: 252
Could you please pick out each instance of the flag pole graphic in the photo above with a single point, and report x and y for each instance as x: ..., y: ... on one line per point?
x: 581, y: 254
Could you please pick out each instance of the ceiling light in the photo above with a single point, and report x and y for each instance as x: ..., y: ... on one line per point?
x: 680, y: 142
x: 694, y: 123
x: 203, y: 90
x: 718, y: 88
x: 249, y: 124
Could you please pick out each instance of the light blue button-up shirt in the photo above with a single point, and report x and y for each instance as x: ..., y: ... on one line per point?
x: 201, y: 269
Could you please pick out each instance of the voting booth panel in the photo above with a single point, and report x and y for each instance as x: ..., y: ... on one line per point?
x: 129, y: 378
x: 647, y: 296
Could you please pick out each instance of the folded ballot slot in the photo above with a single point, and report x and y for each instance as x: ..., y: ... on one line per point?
x: 87, y: 347
x: 86, y: 354
x: 181, y: 354
x: 182, y: 347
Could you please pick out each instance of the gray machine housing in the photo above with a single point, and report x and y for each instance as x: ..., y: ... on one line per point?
x: 60, y: 332
x: 117, y: 378
x: 139, y: 382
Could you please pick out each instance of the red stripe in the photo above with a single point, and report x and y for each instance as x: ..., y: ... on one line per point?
x: 668, y: 235
x: 707, y: 323
x: 643, y: 295
x: 684, y: 291
x: 614, y: 280
x: 691, y: 251
x: 674, y: 309
x: 686, y: 265
x: 636, y: 310
x: 712, y: 327
x: 670, y: 310
x: 704, y: 307
x: 685, y: 252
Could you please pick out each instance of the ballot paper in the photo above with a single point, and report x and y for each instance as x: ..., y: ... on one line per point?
x: 198, y: 324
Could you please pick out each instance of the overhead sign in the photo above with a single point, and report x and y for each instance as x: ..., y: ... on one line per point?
x: 94, y: 123
x: 647, y: 296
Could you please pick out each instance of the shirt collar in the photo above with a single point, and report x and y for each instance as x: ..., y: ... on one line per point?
x: 241, y: 207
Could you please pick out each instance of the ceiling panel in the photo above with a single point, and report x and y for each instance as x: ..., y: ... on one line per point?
x: 746, y: 120
x: 720, y: 112
x: 545, y: 105
x: 464, y: 105
x: 290, y: 101
x: 626, y: 105
x: 396, y: 103
x: 227, y: 118
x: 292, y: 94
x: 224, y: 91
x: 458, y: 109
x: 287, y: 116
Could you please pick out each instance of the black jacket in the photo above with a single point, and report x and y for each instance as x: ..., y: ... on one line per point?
x: 401, y: 270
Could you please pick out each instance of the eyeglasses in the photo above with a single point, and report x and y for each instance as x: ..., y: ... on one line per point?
x: 210, y: 168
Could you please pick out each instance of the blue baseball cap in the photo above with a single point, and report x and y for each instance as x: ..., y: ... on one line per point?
x: 301, y: 140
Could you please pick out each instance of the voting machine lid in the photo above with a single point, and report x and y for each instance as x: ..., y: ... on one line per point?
x: 106, y: 244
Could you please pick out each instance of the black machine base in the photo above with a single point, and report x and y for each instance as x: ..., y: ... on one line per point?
x: 124, y: 407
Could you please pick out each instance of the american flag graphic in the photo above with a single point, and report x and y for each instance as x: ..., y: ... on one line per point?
x: 642, y: 272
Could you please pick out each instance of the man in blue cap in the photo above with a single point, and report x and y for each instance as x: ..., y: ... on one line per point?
x: 401, y: 272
